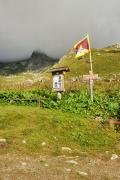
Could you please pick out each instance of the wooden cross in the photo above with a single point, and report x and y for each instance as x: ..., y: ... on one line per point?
x: 91, y: 77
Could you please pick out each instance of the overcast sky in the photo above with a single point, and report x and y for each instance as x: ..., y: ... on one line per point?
x: 54, y: 26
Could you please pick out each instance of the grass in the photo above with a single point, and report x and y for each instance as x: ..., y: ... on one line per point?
x: 105, y: 62
x: 36, y: 125
x: 106, y: 104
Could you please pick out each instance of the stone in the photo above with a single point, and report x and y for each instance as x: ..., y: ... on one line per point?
x: 98, y: 54
x: 68, y: 170
x: 82, y: 173
x: 107, y: 152
x: 114, y: 157
x: 46, y: 165
x: 2, y: 140
x: 24, y: 163
x: 24, y: 141
x: 43, y: 144
x: 72, y: 162
x: 66, y: 149
x: 55, y: 138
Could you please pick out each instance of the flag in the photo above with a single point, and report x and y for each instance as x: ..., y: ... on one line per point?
x: 82, y: 47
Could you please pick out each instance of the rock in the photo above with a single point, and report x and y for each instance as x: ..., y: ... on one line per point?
x: 98, y: 54
x: 2, y: 140
x: 66, y: 149
x: 68, y: 170
x: 107, y: 152
x: 114, y: 156
x: 72, y: 162
x: 24, y: 141
x: 24, y: 163
x: 82, y: 173
x: 43, y: 143
x: 46, y: 165
x: 55, y: 138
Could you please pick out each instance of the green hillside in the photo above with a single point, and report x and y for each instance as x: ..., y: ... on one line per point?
x: 35, y: 71
x: 106, y: 62
x: 26, y: 128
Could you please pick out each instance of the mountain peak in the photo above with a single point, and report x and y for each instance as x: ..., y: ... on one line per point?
x: 36, y: 54
x: 38, y: 61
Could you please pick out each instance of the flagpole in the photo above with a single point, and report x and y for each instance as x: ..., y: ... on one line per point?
x: 91, y: 66
x: 91, y: 80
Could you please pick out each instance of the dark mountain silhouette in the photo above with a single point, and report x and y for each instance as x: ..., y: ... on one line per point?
x: 37, y: 62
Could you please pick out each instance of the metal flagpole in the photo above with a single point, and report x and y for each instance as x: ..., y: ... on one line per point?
x: 91, y: 66
x: 91, y: 73
x: 91, y: 79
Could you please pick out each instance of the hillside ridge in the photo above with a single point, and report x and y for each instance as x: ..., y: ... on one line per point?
x: 106, y: 62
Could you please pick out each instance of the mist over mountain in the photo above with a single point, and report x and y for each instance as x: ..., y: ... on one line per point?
x: 37, y: 62
x: 55, y: 26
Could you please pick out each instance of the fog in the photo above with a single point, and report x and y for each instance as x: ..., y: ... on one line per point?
x: 54, y: 26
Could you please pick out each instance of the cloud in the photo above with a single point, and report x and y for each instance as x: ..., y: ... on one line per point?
x: 53, y: 26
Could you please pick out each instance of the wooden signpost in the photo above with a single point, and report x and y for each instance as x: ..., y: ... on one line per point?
x: 58, y: 79
x: 91, y: 77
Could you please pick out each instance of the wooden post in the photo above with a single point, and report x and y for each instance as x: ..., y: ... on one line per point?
x: 91, y: 89
x: 91, y: 77
x: 59, y: 95
x: 113, y: 123
x: 91, y: 80
x: 58, y: 80
x: 91, y: 66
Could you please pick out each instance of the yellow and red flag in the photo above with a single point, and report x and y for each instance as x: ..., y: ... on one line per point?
x: 82, y: 47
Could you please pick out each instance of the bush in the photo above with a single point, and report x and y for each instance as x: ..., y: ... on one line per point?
x: 106, y: 104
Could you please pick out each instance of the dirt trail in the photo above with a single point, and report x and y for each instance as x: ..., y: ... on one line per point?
x: 18, y: 167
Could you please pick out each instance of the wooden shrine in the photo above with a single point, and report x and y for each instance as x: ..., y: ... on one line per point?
x: 58, y: 78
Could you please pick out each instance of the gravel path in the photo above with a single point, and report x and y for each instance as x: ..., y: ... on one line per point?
x: 18, y: 167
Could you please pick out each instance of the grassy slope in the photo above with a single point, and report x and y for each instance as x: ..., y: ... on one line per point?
x: 57, y: 129
x: 106, y: 62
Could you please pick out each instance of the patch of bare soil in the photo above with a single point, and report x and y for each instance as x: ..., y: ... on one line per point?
x: 18, y: 167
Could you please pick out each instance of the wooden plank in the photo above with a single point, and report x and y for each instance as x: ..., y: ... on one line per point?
x: 59, y: 69
x: 90, y: 77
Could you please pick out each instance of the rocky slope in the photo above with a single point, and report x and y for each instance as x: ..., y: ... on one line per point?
x: 37, y: 62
